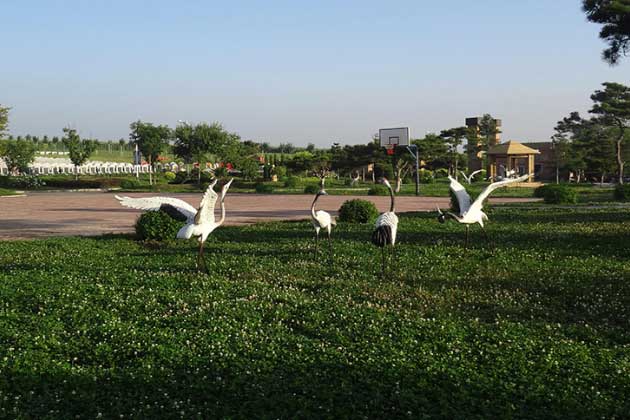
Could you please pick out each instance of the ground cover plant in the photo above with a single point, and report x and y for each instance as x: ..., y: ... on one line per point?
x: 114, y: 327
x: 5, y: 191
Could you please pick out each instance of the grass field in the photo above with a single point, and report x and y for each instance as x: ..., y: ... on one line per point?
x: 4, y: 191
x: 537, y: 328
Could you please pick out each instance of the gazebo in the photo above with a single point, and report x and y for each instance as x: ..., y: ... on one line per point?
x: 512, y: 155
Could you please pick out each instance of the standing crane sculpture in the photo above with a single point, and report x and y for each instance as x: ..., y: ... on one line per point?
x: 322, y: 220
x: 470, y: 177
x: 471, y: 213
x: 386, y: 226
x: 199, y: 222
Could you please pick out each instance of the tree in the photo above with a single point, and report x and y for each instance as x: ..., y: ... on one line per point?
x: 615, y: 16
x: 79, y: 150
x: 4, y: 119
x: 151, y: 140
x: 454, y: 138
x: 17, y: 155
x: 196, y: 142
x: 433, y: 150
x: 612, y: 106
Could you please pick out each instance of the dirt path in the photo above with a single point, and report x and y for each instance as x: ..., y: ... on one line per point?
x: 42, y: 214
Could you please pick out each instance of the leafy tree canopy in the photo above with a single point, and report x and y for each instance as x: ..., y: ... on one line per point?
x: 17, y: 155
x: 79, y: 150
x: 614, y: 15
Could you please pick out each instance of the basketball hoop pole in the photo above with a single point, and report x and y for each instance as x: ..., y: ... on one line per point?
x: 414, y: 153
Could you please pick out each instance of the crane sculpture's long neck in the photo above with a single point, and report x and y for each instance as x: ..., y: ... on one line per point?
x: 222, y: 219
x: 313, y: 206
x: 391, y: 195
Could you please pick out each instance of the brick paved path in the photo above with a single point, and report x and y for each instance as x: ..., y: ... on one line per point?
x: 41, y: 214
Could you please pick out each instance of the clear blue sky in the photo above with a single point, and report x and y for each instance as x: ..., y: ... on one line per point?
x: 280, y: 71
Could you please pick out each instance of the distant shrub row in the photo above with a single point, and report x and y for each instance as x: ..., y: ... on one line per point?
x: 556, y: 194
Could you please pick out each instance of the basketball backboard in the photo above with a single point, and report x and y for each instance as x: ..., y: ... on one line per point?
x: 394, y: 136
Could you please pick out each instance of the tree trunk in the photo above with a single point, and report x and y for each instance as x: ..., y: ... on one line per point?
x: 150, y: 171
x: 398, y: 183
x: 620, y: 162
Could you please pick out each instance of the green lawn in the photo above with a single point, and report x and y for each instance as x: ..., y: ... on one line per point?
x: 4, y: 191
x: 537, y: 328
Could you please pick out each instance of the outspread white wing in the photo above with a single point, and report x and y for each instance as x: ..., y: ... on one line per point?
x: 463, y: 199
x: 206, y: 207
x: 478, y: 204
x: 155, y: 203
x: 478, y: 171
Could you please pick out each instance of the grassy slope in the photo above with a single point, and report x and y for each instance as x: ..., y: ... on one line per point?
x: 540, y: 328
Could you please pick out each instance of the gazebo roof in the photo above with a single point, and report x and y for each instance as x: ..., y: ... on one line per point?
x: 512, y: 148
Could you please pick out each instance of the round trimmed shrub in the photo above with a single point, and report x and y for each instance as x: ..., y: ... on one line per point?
x: 292, y: 182
x: 157, y: 225
x: 378, y: 189
x: 170, y: 176
x: 357, y: 211
x: 622, y: 192
x: 130, y: 184
x: 311, y: 189
x: 263, y: 188
x: 556, y: 194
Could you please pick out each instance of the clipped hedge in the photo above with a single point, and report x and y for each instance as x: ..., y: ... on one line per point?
x: 378, y: 190
x: 357, y: 211
x: 292, y: 182
x: 311, y: 189
x: 130, y: 184
x: 264, y: 188
x: 622, y: 192
x: 556, y: 194
x: 157, y: 225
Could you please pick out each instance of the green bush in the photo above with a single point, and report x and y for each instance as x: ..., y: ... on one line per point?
x: 441, y: 173
x: 264, y: 188
x: 279, y: 171
x: 26, y: 182
x: 157, y: 225
x: 378, y: 189
x: 292, y: 182
x: 170, y: 176
x: 311, y: 189
x: 426, y: 177
x: 357, y: 211
x: 130, y: 184
x: 622, y: 192
x: 556, y: 194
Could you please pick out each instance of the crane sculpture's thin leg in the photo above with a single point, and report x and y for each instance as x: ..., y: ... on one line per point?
x: 201, y: 263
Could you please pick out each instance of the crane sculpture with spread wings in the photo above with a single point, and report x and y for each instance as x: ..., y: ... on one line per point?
x: 199, y: 222
x: 471, y: 212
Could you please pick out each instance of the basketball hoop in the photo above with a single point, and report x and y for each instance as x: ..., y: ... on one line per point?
x: 390, y: 149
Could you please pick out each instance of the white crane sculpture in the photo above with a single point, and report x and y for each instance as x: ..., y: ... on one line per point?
x: 322, y: 220
x: 470, y: 177
x: 199, y: 222
x: 471, y: 213
x: 386, y: 226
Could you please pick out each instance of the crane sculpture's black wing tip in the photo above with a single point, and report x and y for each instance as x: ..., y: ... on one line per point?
x: 173, y: 212
x: 382, y: 236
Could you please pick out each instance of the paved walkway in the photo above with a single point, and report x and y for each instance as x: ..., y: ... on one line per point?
x: 42, y: 214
